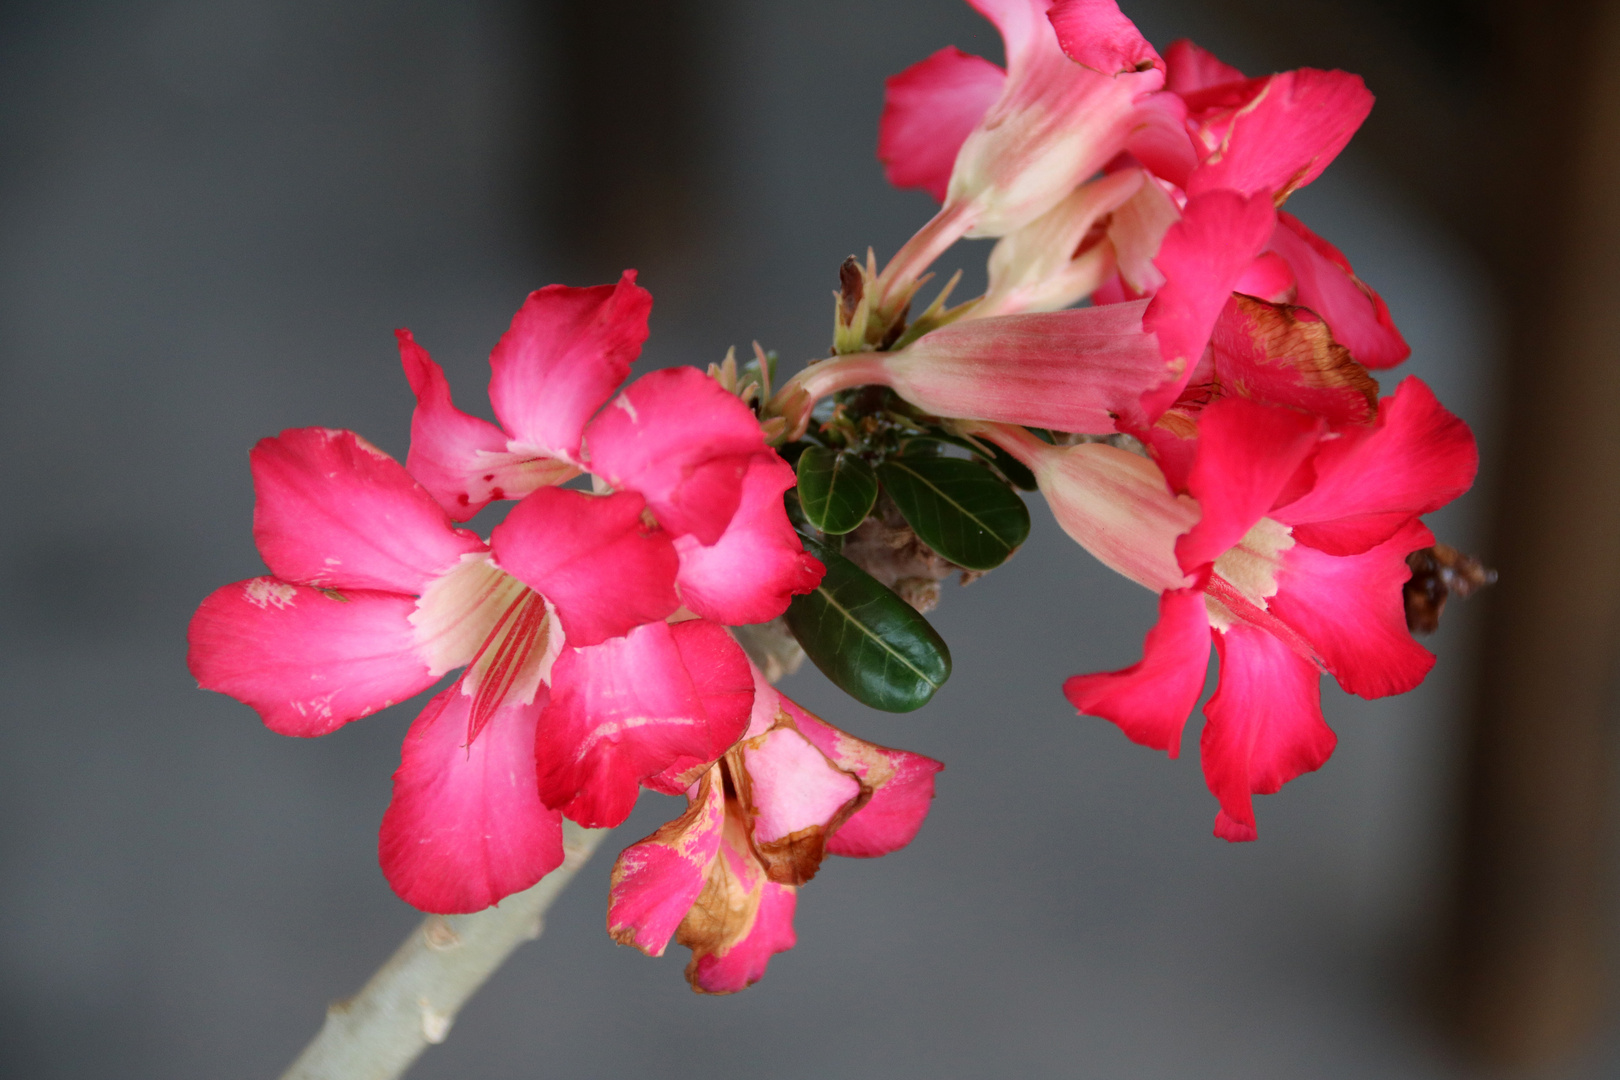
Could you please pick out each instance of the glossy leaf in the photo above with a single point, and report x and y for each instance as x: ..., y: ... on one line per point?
x: 1012, y: 470
x: 836, y: 489
x: 873, y: 645
x: 958, y: 507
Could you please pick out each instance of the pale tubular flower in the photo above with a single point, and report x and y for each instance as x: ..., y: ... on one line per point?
x: 722, y: 879
x: 1000, y: 150
x: 1289, y: 550
x: 1043, y: 266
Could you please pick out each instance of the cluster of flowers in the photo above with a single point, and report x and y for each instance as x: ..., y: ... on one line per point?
x: 590, y: 630
x: 1250, y: 475
x: 1273, y: 498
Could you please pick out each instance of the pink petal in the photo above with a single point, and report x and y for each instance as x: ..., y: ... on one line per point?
x: 739, y: 922
x: 1286, y: 356
x: 594, y: 557
x: 756, y: 567
x: 1361, y: 321
x: 1067, y: 370
x: 1159, y: 140
x: 794, y: 796
x: 565, y: 353
x: 1370, y: 480
x: 336, y: 512
x: 901, y: 783
x: 1269, y: 277
x: 1247, y: 452
x: 1097, y: 34
x: 1351, y: 611
x: 1189, y: 69
x: 1202, y: 258
x: 460, y: 459
x: 1276, y: 134
x: 1151, y: 699
x: 307, y: 660
x: 929, y: 110
x: 660, y: 698
x: 1265, y: 725
x: 657, y: 880
x: 685, y: 444
x: 466, y: 827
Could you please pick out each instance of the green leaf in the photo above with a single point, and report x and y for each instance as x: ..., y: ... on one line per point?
x: 873, y: 645
x: 959, y: 508
x: 1012, y: 470
x: 836, y: 489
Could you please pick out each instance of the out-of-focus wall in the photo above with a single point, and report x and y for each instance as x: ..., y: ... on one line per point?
x: 215, y: 213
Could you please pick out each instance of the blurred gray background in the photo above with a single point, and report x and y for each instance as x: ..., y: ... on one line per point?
x: 214, y: 214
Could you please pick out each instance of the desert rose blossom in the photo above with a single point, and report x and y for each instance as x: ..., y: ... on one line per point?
x: 375, y: 595
x: 694, y: 451
x: 1270, y: 136
x: 722, y: 878
x: 1289, y: 552
x: 1000, y: 149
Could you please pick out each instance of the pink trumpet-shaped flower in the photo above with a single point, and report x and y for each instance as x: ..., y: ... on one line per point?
x: 1290, y: 549
x: 722, y: 878
x: 999, y: 150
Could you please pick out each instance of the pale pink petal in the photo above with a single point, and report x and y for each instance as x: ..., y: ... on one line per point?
x: 1097, y: 34
x: 680, y: 440
x: 757, y: 566
x: 1278, y: 134
x: 1151, y: 699
x: 336, y: 512
x: 1359, y: 317
x: 307, y: 660
x: 462, y: 460
x: 1369, y: 480
x: 660, y: 698
x: 565, y: 353
x: 594, y: 557
x: 656, y: 881
x: 1202, y: 257
x: 795, y: 797
x: 466, y: 827
x: 929, y: 110
x: 1351, y: 611
x: 741, y: 920
x: 1066, y: 370
x: 901, y: 783
x: 1189, y: 68
x: 1265, y: 725
x: 1247, y: 452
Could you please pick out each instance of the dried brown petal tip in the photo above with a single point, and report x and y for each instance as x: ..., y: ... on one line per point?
x: 1437, y: 573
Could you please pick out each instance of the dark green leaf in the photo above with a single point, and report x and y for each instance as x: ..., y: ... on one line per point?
x: 959, y: 508
x: 836, y: 489
x: 873, y: 645
x: 1015, y: 472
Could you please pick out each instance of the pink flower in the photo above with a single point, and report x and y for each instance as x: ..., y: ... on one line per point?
x: 1000, y: 149
x: 576, y: 690
x: 1290, y: 551
x: 722, y: 878
x: 695, y: 452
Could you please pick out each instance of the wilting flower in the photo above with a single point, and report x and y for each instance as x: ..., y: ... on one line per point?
x: 722, y: 878
x: 585, y: 675
x: 1290, y: 550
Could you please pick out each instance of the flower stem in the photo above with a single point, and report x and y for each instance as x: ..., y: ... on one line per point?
x: 412, y: 999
